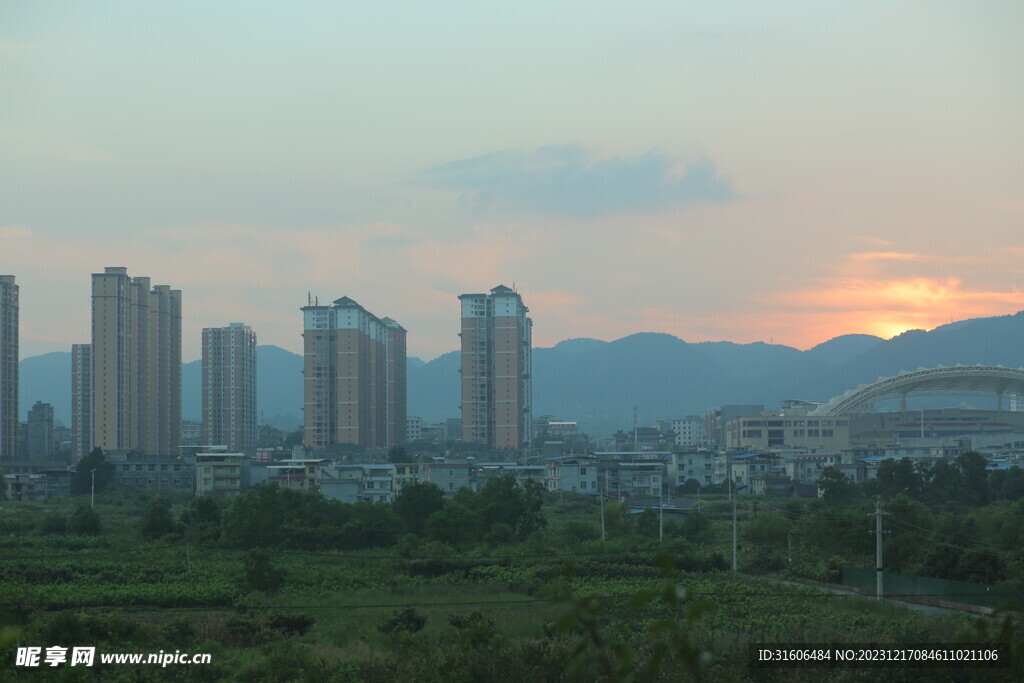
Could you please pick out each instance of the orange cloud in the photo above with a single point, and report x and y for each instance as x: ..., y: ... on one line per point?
x: 886, y: 307
x: 888, y: 256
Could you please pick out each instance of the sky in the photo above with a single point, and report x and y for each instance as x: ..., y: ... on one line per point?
x: 745, y: 171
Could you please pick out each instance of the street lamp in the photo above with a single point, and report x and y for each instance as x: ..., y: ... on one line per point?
x: 92, y: 492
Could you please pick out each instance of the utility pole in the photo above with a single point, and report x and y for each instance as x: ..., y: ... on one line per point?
x: 602, y: 504
x: 636, y: 446
x: 878, y: 548
x: 731, y: 487
x: 661, y: 514
x: 92, y: 489
x: 789, y: 545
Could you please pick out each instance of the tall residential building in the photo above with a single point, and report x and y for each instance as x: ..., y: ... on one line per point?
x: 40, y: 432
x: 395, y: 385
x: 229, y: 387
x: 353, y: 377
x: 9, y: 428
x: 690, y: 431
x: 496, y: 337
x: 81, y: 401
x: 136, y: 364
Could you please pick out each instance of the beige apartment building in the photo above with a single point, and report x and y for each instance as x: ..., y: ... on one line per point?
x: 229, y: 387
x: 8, y: 369
x: 771, y: 429
x: 496, y: 385
x: 81, y: 401
x: 136, y: 364
x: 354, y: 377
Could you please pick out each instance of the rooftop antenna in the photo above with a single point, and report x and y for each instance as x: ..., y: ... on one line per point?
x: 636, y: 446
x: 309, y: 298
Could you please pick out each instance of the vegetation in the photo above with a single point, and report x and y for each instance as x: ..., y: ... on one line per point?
x: 505, y: 584
x: 949, y: 520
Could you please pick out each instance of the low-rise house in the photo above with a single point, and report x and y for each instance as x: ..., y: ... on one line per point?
x: 572, y: 474
x: 522, y: 473
x: 38, y: 486
x: 301, y: 474
x: 698, y: 465
x: 637, y: 478
x: 152, y: 473
x: 450, y: 477
x: 807, y: 468
x: 221, y: 474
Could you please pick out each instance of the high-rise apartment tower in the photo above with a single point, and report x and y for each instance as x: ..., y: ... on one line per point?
x: 354, y: 388
x: 40, y: 432
x: 81, y: 401
x: 496, y: 386
x: 9, y: 428
x: 229, y: 387
x: 136, y: 364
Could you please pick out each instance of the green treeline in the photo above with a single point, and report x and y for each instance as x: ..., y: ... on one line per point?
x: 948, y: 520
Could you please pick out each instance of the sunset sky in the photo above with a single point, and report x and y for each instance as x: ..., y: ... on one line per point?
x: 740, y: 171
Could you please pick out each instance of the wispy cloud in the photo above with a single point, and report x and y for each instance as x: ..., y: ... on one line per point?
x: 569, y: 180
x: 870, y: 239
x: 13, y: 232
x: 889, y: 256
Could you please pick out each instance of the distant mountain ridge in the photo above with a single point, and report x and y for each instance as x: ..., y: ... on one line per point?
x: 597, y: 383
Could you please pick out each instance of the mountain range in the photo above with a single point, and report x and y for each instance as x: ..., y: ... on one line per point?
x: 598, y: 383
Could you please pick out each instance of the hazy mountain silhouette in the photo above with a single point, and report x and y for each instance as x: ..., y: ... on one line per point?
x: 598, y: 383
x: 46, y: 378
x: 278, y: 388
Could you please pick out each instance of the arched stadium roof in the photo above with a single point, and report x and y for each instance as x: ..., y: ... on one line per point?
x: 959, y: 379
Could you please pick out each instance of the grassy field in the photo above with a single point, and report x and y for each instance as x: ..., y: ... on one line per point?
x: 548, y: 608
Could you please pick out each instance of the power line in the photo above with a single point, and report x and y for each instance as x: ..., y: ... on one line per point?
x: 818, y: 594
x: 995, y: 546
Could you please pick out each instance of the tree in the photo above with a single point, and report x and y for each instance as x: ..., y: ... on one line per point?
x: 454, y: 524
x: 84, y: 520
x: 945, y: 483
x: 156, y: 519
x: 647, y: 523
x: 835, y: 486
x: 397, y: 454
x: 972, y: 470
x: 82, y: 481
x: 257, y: 517
x: 503, y: 501
x: 697, y: 528
x: 201, y: 520
x: 1007, y: 484
x: 416, y: 503
x: 770, y: 528
x: 54, y: 523
x: 531, y: 519
x: 403, y: 622
x: 691, y: 485
x: 260, y: 572
x: 370, y: 526
x: 899, y: 476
